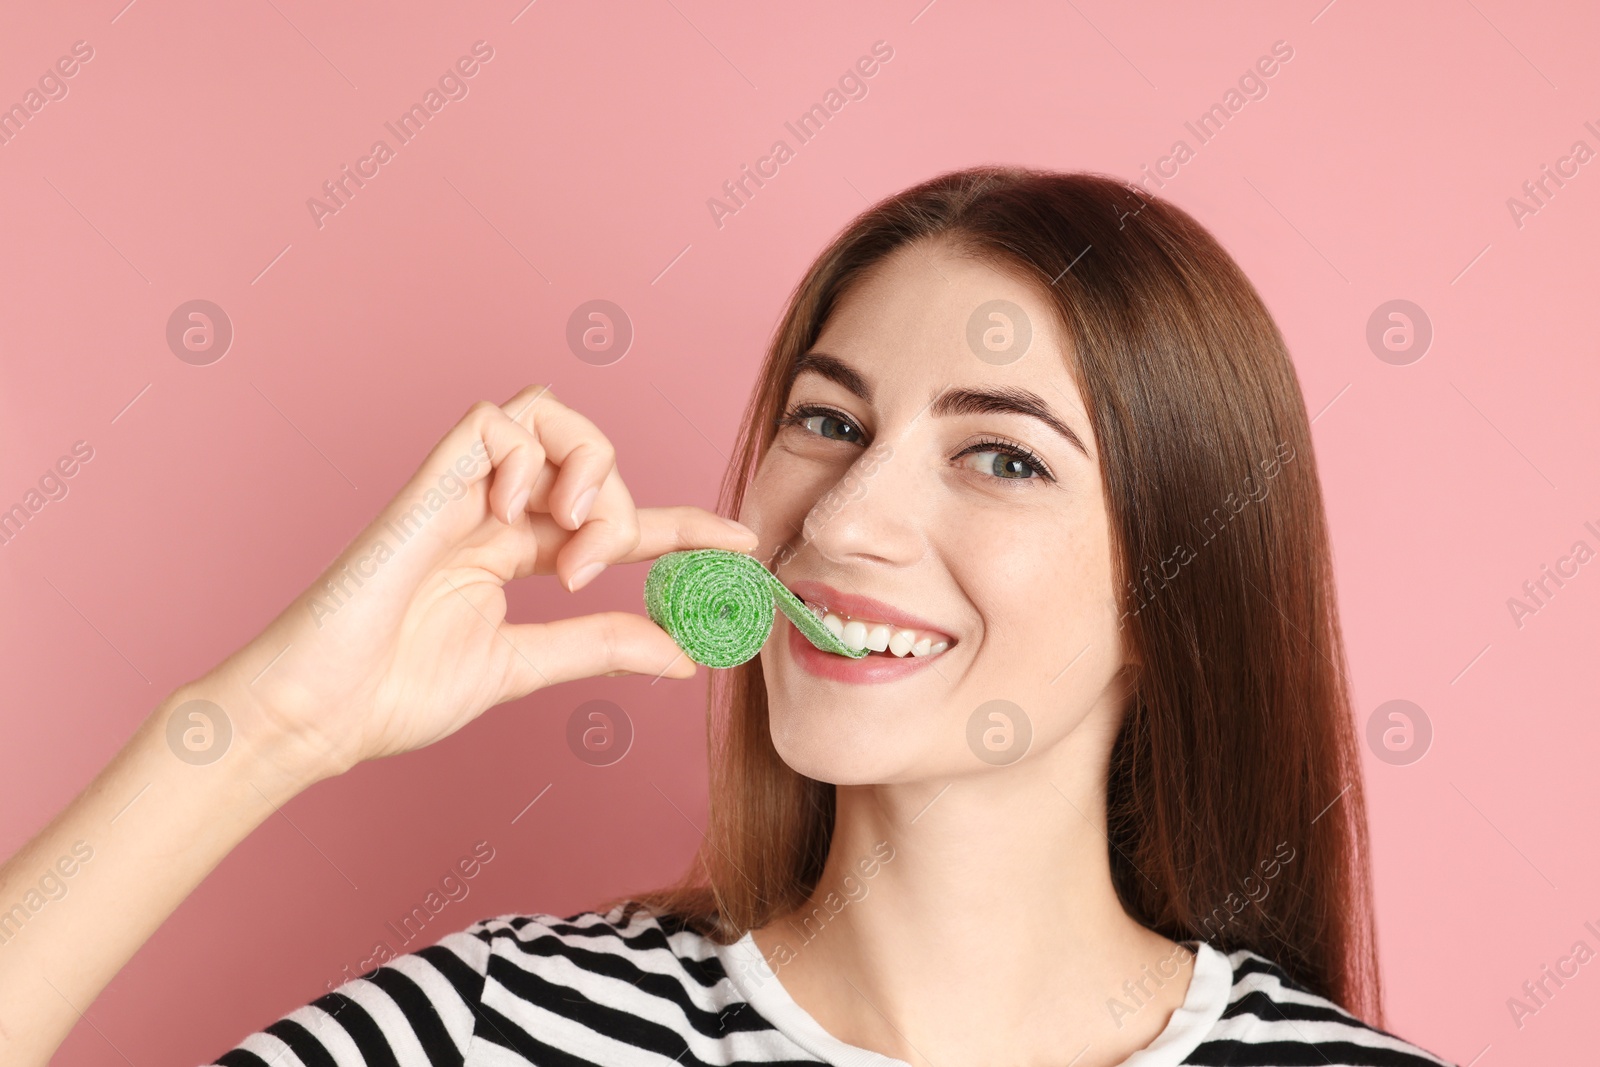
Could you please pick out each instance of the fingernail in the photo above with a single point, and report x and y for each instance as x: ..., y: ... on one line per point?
x: 580, y: 510
x: 739, y: 527
x: 584, y: 575
x: 518, y: 503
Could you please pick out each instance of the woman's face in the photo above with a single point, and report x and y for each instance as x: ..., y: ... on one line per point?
x: 936, y: 488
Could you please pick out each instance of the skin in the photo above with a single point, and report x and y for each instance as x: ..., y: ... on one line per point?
x: 1018, y: 569
x: 422, y: 647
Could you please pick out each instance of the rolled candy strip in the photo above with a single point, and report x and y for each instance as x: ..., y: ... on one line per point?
x: 717, y: 606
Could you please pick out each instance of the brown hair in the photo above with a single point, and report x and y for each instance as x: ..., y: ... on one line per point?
x: 1238, y: 741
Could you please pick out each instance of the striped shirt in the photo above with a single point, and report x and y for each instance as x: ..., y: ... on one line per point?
x: 626, y: 987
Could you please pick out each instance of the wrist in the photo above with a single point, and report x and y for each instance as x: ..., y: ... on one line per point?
x: 219, y: 720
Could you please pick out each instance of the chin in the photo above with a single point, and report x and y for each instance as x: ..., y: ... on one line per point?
x: 840, y: 746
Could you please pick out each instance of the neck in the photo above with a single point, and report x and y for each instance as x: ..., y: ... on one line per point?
x: 976, y: 921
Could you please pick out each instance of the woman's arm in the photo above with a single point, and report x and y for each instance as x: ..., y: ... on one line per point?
x: 136, y: 842
x: 402, y: 641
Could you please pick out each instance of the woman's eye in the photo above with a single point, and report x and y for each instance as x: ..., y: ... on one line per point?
x: 1002, y: 464
x: 832, y: 427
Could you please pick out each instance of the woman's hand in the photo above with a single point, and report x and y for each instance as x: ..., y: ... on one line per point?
x: 404, y: 639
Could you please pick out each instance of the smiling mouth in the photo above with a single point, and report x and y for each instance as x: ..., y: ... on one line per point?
x: 880, y: 638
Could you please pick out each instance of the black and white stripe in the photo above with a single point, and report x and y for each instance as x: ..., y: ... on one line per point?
x: 1270, y: 1021
x: 627, y: 988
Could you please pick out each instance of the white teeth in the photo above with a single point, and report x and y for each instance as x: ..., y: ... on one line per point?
x: 858, y: 634
x: 854, y: 635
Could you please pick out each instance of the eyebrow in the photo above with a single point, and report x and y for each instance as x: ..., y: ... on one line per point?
x: 1002, y: 401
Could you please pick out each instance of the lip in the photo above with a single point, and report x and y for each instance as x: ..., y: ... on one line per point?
x: 862, y: 607
x: 868, y: 670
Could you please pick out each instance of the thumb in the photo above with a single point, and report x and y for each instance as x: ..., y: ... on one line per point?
x: 568, y: 649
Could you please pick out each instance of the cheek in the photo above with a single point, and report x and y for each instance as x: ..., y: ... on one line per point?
x: 780, y: 496
x: 1043, y: 590
x: 1026, y: 607
x: 1051, y: 645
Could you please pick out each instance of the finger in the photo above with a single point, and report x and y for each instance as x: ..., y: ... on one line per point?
x: 517, y: 455
x: 568, y: 649
x: 534, y: 545
x: 611, y: 532
x: 516, y: 470
x: 493, y: 462
x: 582, y: 453
x: 527, y: 441
x: 547, y: 457
x: 483, y: 445
x: 675, y: 529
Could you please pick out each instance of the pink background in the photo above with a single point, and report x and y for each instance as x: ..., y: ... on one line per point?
x: 578, y: 167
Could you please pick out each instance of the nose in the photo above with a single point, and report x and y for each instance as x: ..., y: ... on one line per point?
x: 876, y: 512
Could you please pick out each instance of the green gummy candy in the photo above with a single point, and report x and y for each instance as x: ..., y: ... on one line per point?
x: 717, y: 606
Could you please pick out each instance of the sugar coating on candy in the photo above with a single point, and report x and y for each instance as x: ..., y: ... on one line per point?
x: 717, y: 605
x: 808, y: 624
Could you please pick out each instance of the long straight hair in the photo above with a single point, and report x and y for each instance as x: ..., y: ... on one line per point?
x: 1234, y: 799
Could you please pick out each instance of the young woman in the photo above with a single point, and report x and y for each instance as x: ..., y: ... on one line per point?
x: 1094, y: 798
